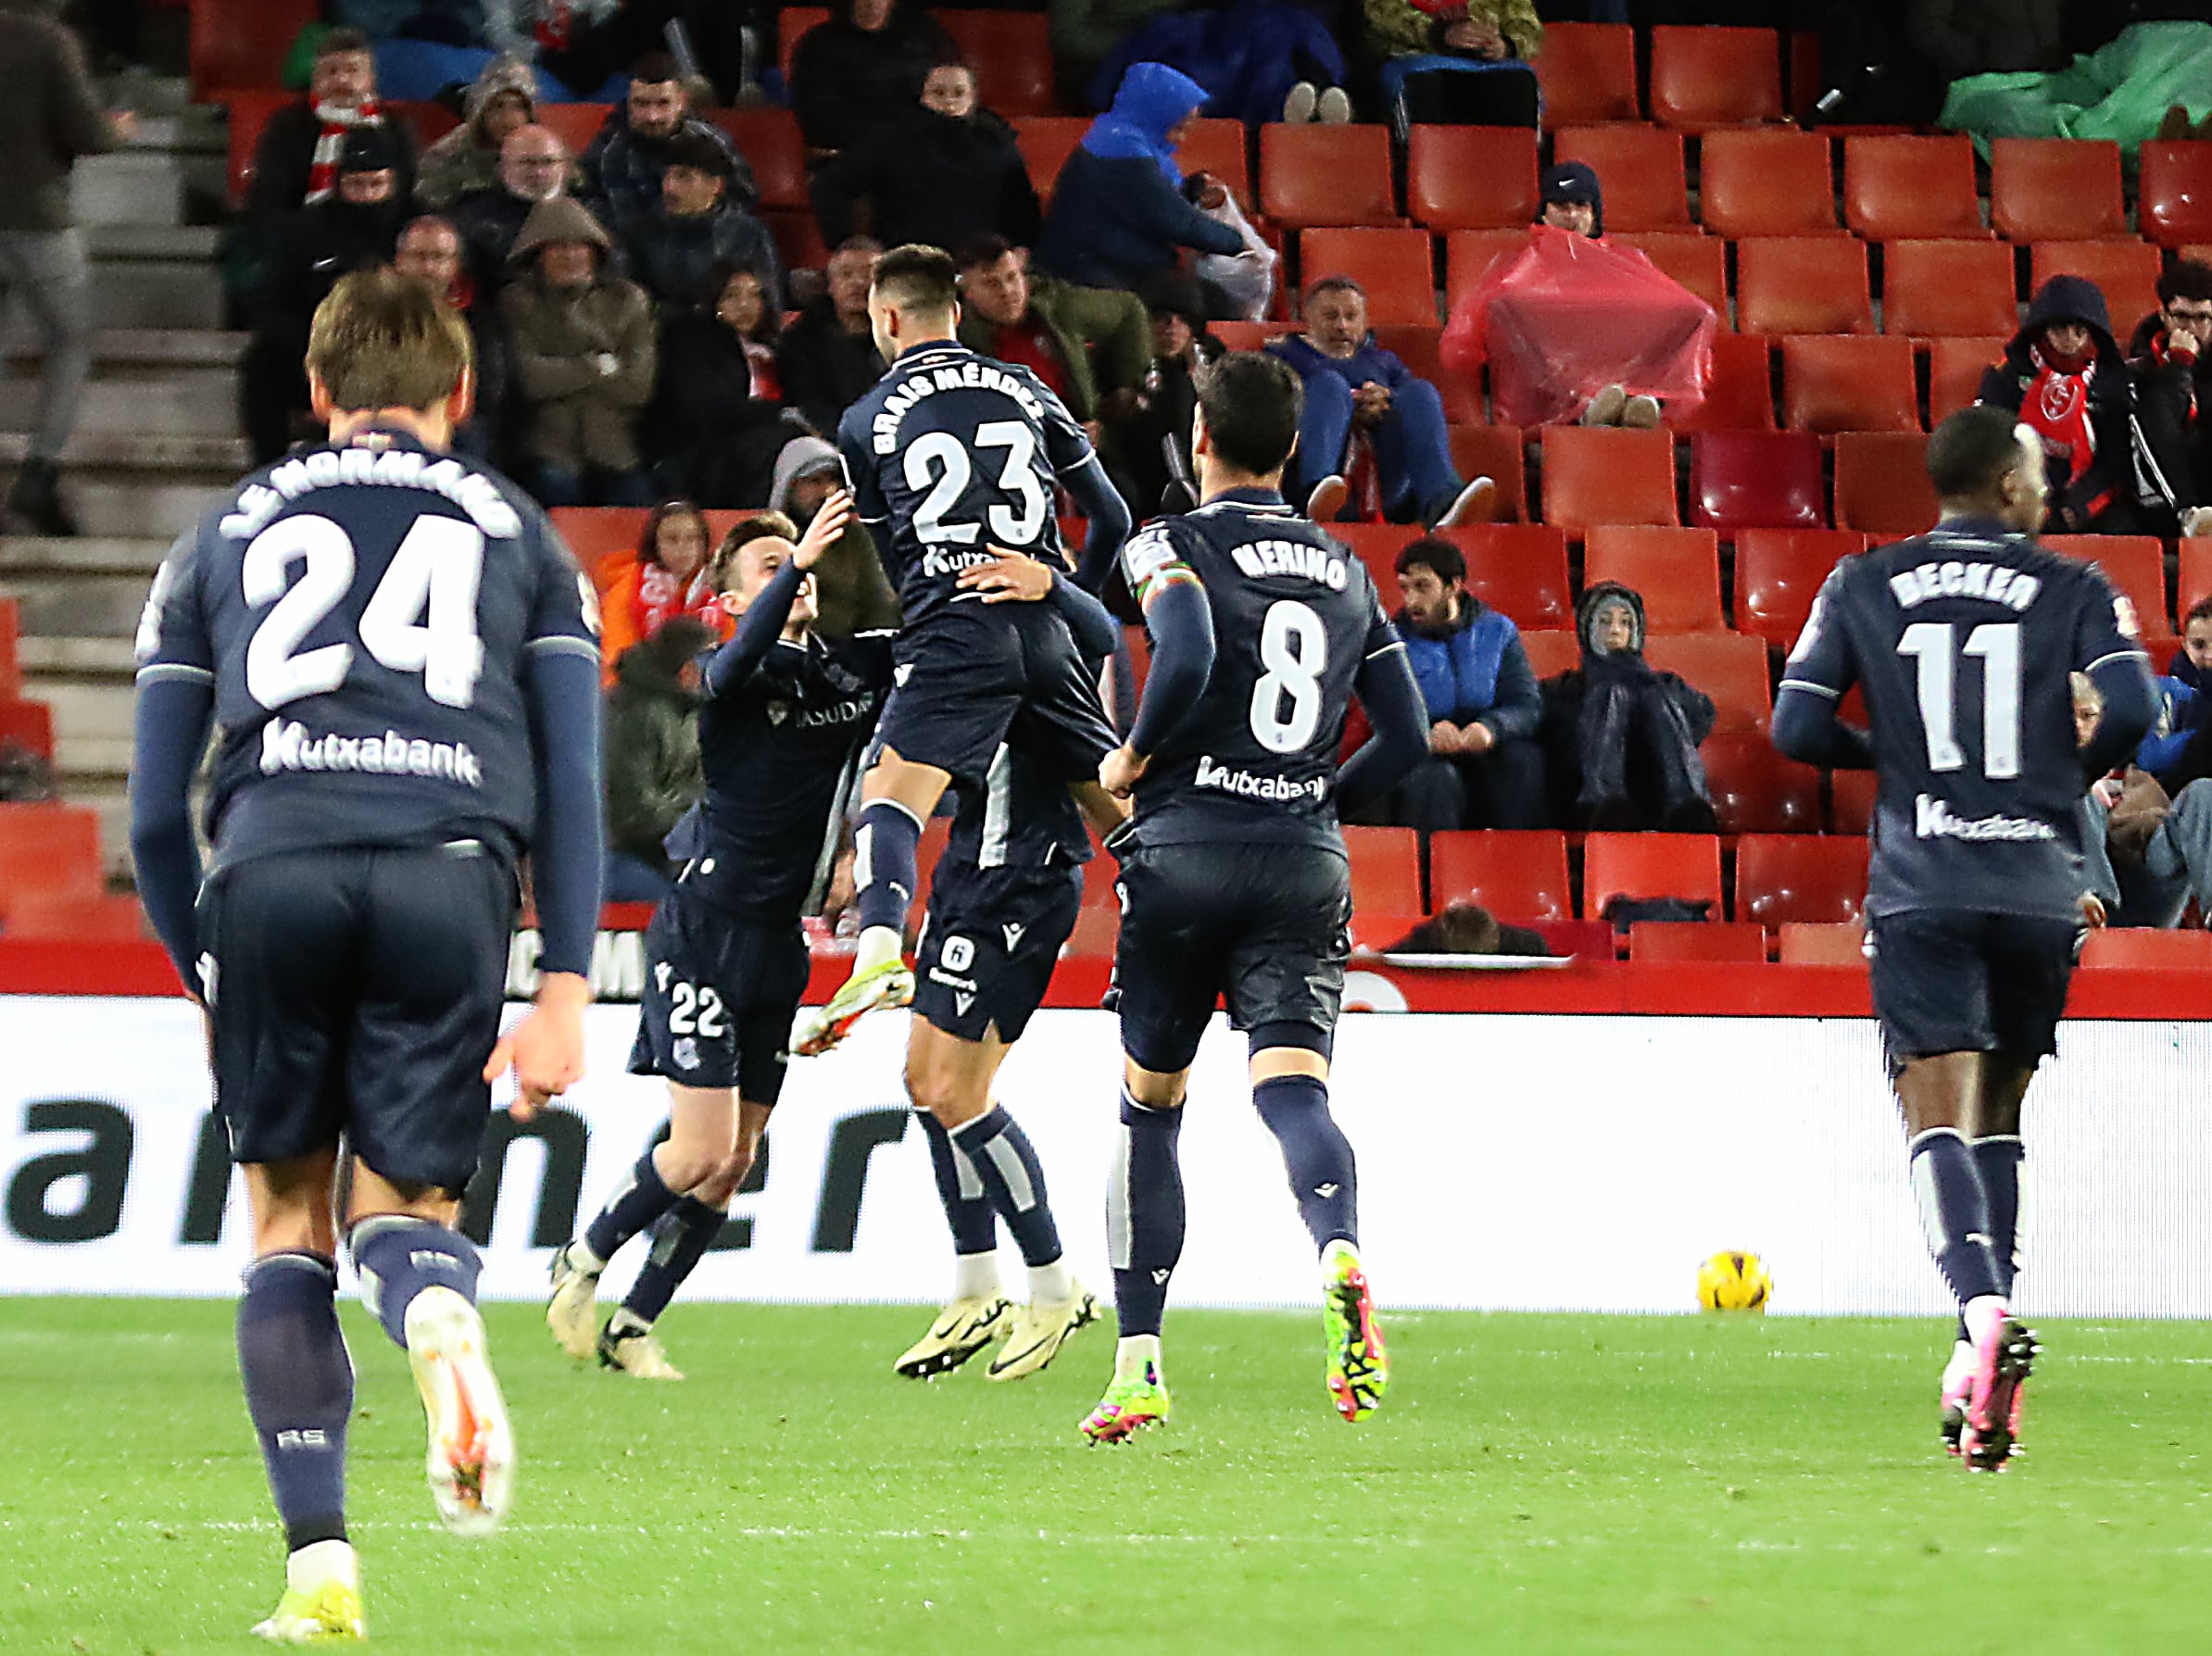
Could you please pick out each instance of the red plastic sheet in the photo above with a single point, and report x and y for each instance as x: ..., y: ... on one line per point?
x: 1566, y: 316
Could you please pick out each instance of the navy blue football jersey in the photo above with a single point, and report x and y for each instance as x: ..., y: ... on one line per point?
x: 952, y: 454
x: 1022, y: 817
x: 1295, y: 617
x: 1962, y: 640
x: 366, y: 614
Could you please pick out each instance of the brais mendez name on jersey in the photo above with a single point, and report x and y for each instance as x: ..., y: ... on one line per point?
x: 965, y: 376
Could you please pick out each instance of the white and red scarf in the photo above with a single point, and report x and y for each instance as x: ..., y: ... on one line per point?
x: 662, y: 598
x: 2056, y: 406
x: 330, y: 143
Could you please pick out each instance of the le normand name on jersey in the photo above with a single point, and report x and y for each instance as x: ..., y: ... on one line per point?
x: 367, y: 463
x: 883, y: 430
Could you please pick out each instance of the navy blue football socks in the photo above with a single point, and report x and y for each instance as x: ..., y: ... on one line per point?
x: 1144, y: 1215
x: 1013, y: 1179
x: 1315, y: 1154
x: 680, y: 1241
x: 298, y: 1389
x: 643, y: 1198
x: 960, y: 1187
x: 887, y: 841
x: 398, y: 1257
x: 1998, y: 1159
x: 1955, y: 1213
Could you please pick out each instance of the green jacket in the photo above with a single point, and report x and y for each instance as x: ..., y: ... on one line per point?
x: 650, y: 745
x: 1105, y: 338
x: 1398, y: 27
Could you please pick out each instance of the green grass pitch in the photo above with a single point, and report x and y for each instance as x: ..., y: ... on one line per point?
x: 1545, y: 1484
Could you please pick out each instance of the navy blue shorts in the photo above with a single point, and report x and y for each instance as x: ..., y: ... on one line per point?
x: 358, y: 991
x: 965, y: 674
x: 1264, y: 928
x: 719, y: 998
x: 1959, y: 980
x: 989, y: 945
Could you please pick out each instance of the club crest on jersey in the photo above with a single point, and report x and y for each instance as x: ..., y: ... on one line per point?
x: 685, y: 1052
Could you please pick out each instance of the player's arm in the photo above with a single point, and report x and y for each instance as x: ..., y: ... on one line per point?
x: 763, y: 621
x: 175, y: 712
x: 1391, y: 698
x: 866, y: 488
x: 1819, y: 673
x: 1180, y: 622
x: 1018, y: 578
x: 2108, y: 649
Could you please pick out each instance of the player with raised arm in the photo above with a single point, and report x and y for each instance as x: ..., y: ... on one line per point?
x: 1963, y: 639
x: 1235, y: 884
x: 780, y: 731
x: 400, y: 662
x: 954, y: 459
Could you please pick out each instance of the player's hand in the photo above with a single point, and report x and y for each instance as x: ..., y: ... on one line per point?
x: 825, y: 531
x: 545, y: 1049
x: 1014, y: 578
x: 2092, y: 910
x: 1119, y: 772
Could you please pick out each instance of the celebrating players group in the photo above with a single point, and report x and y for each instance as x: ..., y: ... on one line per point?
x: 397, y: 662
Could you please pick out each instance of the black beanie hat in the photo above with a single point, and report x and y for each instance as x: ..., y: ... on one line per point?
x: 1574, y: 180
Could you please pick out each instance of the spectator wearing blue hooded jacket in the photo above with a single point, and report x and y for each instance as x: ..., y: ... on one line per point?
x: 1119, y: 213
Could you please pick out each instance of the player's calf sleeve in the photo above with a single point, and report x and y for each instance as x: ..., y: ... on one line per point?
x: 1144, y: 1215
x: 643, y: 1198
x: 298, y: 1389
x: 397, y: 1257
x: 886, y: 850
x: 1013, y: 1179
x: 960, y: 1187
x: 1955, y: 1213
x: 1315, y: 1153
x: 679, y: 1242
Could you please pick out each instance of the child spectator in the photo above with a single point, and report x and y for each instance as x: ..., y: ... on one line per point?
x: 862, y: 70
x: 626, y: 158
x: 502, y: 101
x: 675, y: 250
x: 1621, y: 738
x: 2193, y: 662
x: 827, y: 359
x: 716, y: 426
x: 670, y: 579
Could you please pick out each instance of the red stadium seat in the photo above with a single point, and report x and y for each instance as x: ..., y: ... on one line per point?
x: 1552, y: 650
x: 1249, y: 336
x: 1709, y: 77
x: 2174, y: 194
x: 1520, y: 569
x: 1848, y: 385
x: 1718, y: 943
x: 50, y: 848
x: 1803, y: 284
x: 1385, y: 883
x: 1323, y: 174
x: 11, y: 628
x: 1046, y: 142
x: 1755, y: 790
x: 72, y: 916
x: 1587, y: 72
x: 1699, y: 263
x: 1011, y: 55
x: 1469, y: 253
x: 1955, y: 288
x: 2135, y: 564
x: 1678, y: 571
x: 426, y: 122
x: 1377, y: 545
x: 240, y: 45
x: 1799, y: 876
x: 1491, y: 451
x: 575, y: 124
x: 797, y: 238
x: 1851, y: 801
x: 1898, y: 187
x: 1775, y: 183
x: 2197, y: 577
x: 27, y: 723
x: 1416, y: 344
x: 768, y: 139
x: 1763, y: 480
x: 1218, y: 146
x: 1520, y: 877
x: 1779, y: 572
x: 2057, y: 190
x: 1806, y: 943
x: 1740, y: 395
x: 1471, y: 178
x: 1640, y: 167
x: 600, y: 536
x: 1882, y: 483
x: 1601, y: 474
x: 1649, y: 865
x: 1392, y: 265
x: 1955, y: 371
x: 2148, y: 948
x: 2127, y: 273
x: 1729, y: 667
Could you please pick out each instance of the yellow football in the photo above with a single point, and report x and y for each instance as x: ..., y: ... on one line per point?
x: 1733, y: 1282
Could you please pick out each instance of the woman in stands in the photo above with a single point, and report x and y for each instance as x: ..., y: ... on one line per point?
x: 716, y: 422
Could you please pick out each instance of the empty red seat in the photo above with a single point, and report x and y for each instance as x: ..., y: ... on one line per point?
x: 1416, y: 344
x: 1640, y: 167
x: 2126, y: 272
x: 52, y: 848
x: 2196, y: 576
x: 1386, y: 881
x: 1771, y: 480
x: 1520, y: 569
x: 73, y: 916
x: 1392, y: 265
x: 1779, y: 572
x: 1774, y: 183
x: 1377, y: 545
x: 1678, y: 571
x: 575, y: 124
x: 1718, y: 943
x: 1046, y: 142
x: 1955, y: 371
x: 1601, y: 474
x: 1471, y: 178
x: 1848, y: 384
x: 1899, y: 186
x: 2135, y: 564
x: 2057, y: 190
x: 243, y: 43
x: 1491, y: 451
x: 2173, y: 197
x: 1248, y: 336
x: 1957, y: 288
x: 1728, y: 667
x: 1521, y: 877
x: 1012, y: 56
x: 1649, y: 865
x: 1806, y: 943
x: 2148, y: 948
x: 600, y: 536
x: 1799, y: 876
x: 1587, y: 72
x: 1699, y: 263
x: 1220, y: 145
x: 1324, y: 174
x: 769, y: 140
x: 1882, y: 483
x: 1803, y: 284
x: 1755, y: 790
x: 1708, y: 77
x: 1552, y: 650
x: 1469, y: 253
x: 1739, y: 394
x: 29, y: 724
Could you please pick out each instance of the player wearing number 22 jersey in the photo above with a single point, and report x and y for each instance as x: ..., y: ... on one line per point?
x: 1963, y: 639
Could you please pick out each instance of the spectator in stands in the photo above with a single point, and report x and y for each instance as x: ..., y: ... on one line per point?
x: 668, y: 580
x: 1357, y: 391
x: 295, y: 160
x: 1091, y: 345
x: 2145, y: 850
x: 1121, y: 211
x: 1570, y: 197
x: 49, y: 116
x: 862, y: 70
x: 584, y: 362
x: 827, y: 359
x: 1249, y: 57
x: 714, y: 427
x: 675, y: 250
x: 626, y: 158
x: 1483, y: 768
x: 2193, y: 662
x: 947, y: 173
x: 852, y: 593
x: 533, y: 166
x: 651, y: 743
x: 2171, y: 356
x: 1455, y: 62
x: 1139, y: 444
x: 1621, y: 738
x: 431, y: 248
x: 502, y: 101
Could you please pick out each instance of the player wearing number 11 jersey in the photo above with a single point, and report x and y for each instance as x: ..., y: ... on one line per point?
x: 1962, y: 640
x: 399, y: 662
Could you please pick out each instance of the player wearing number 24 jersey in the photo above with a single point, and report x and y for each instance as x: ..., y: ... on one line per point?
x: 1963, y: 639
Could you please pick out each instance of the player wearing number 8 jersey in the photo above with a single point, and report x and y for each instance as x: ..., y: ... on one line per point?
x: 400, y: 661
x: 1962, y: 640
x: 1235, y: 884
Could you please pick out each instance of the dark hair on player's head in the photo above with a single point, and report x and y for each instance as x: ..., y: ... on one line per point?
x: 761, y: 526
x: 2199, y: 611
x: 1334, y: 284
x: 918, y: 278
x: 341, y: 40
x: 655, y: 68
x: 649, y: 539
x: 386, y: 341
x: 978, y: 251
x: 1434, y: 553
x: 1971, y: 452
x: 2190, y: 279
x: 1250, y: 401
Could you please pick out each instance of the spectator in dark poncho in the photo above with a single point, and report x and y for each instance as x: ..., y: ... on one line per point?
x: 946, y: 174
x: 862, y: 70
x: 1620, y: 737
